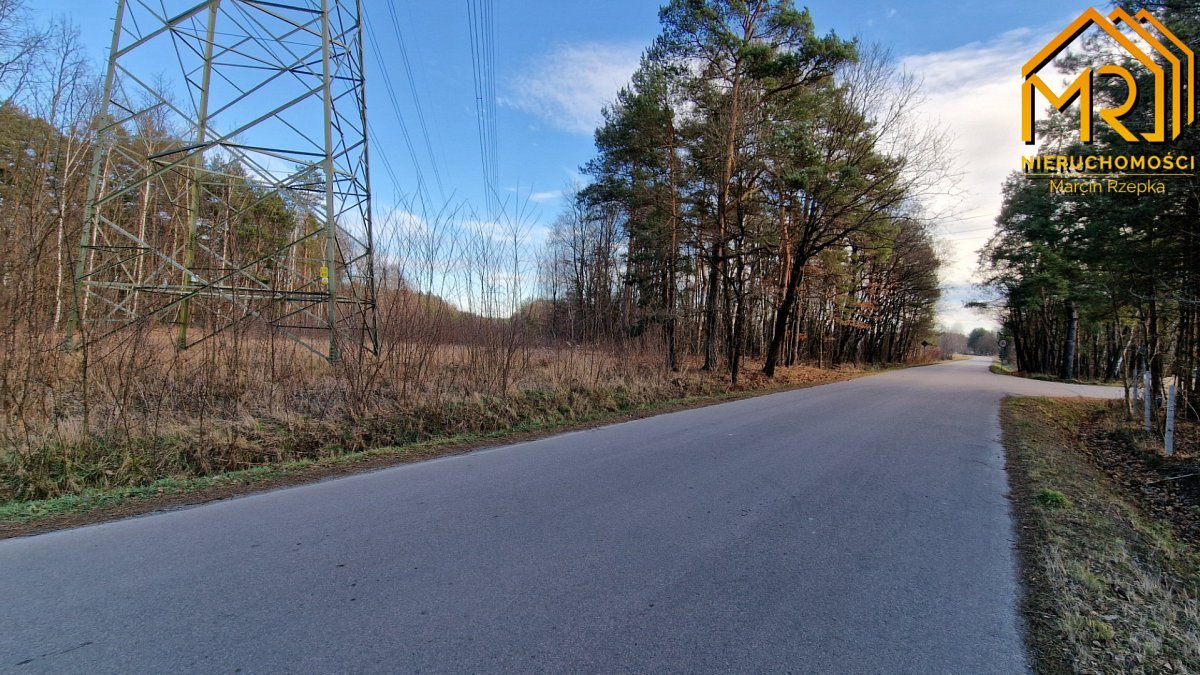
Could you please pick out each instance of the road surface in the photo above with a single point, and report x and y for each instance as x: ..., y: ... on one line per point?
x: 857, y: 527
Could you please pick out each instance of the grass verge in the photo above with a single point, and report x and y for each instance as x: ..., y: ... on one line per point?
x: 1001, y: 369
x: 96, y: 504
x: 1110, y: 585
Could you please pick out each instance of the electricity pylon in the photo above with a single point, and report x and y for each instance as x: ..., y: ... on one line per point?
x: 230, y: 182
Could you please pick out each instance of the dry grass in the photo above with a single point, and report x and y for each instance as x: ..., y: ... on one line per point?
x: 146, y: 412
x: 1109, y: 588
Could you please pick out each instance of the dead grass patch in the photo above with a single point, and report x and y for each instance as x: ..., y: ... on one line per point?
x: 172, y: 423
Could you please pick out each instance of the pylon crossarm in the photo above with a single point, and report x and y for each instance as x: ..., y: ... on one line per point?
x: 214, y: 143
x: 185, y: 116
x: 168, y: 24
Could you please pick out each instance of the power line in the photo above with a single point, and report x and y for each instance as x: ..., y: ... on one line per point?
x: 481, y: 25
x: 412, y: 87
x: 396, y: 111
x: 491, y: 42
x: 973, y: 230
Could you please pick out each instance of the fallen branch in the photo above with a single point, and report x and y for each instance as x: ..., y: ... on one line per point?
x: 1163, y: 480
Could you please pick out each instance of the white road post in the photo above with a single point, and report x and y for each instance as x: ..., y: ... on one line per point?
x: 1134, y: 391
x: 1147, y: 398
x: 1169, y: 440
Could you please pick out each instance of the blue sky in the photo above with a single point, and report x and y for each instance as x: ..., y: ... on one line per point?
x: 557, y: 63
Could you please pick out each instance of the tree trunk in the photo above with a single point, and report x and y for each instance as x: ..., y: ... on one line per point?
x: 1068, y: 365
x: 673, y: 254
x: 714, y: 275
x: 782, y: 314
x: 710, y: 306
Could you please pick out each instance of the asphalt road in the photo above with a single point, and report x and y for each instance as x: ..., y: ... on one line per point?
x: 858, y: 527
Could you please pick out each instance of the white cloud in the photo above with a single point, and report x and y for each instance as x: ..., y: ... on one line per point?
x: 568, y: 87
x: 974, y: 92
x: 540, y: 197
x: 952, y: 310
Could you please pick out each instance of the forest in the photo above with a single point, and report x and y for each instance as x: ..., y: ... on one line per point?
x: 761, y: 186
x: 754, y: 208
x: 1102, y: 285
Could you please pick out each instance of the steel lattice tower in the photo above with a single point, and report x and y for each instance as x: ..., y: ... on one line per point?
x: 230, y: 180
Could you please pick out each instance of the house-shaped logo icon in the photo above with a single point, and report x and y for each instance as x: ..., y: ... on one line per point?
x: 1147, y: 41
